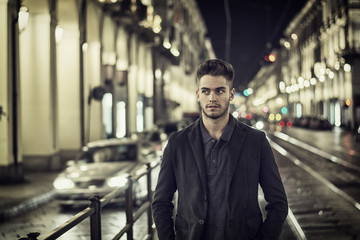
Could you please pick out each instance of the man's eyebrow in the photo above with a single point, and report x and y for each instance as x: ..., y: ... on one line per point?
x: 218, y: 88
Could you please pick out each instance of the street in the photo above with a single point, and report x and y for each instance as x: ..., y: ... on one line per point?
x: 320, y: 172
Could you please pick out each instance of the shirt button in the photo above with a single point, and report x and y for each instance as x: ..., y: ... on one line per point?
x: 201, y: 221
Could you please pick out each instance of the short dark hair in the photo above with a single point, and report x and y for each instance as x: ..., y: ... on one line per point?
x: 216, y: 67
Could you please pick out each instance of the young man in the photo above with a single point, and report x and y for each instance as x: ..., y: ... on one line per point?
x: 216, y: 164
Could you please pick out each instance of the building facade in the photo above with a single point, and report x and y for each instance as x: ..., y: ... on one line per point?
x: 317, y: 71
x: 75, y: 71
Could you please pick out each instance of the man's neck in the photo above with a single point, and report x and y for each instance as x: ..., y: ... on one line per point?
x: 215, y: 127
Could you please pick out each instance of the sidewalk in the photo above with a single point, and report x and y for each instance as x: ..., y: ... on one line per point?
x: 17, y: 198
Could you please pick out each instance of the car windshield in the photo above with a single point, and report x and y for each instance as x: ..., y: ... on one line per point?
x: 118, y: 153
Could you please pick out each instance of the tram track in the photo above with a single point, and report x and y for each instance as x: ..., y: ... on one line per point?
x: 321, y: 206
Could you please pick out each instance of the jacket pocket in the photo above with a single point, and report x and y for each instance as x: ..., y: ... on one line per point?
x: 253, y: 226
x: 181, y: 228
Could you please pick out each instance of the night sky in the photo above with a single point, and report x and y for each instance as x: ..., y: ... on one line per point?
x: 254, y: 24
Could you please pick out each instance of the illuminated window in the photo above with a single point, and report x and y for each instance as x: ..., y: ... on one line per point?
x: 139, y: 116
x: 121, y: 119
x: 107, y: 113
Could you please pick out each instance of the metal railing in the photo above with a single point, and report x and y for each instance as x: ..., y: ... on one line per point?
x: 94, y: 211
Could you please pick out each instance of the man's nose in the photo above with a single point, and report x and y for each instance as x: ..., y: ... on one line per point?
x: 213, y: 97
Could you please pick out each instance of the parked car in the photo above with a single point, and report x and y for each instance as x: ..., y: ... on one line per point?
x: 101, y: 167
x: 313, y: 122
x: 151, y: 141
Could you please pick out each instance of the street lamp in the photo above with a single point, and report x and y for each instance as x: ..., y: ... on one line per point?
x: 23, y: 18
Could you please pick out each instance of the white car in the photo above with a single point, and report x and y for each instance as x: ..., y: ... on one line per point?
x: 103, y: 166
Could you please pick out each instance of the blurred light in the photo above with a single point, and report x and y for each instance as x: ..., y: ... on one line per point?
x: 282, y: 85
x: 313, y: 81
x: 139, y: 116
x: 59, y: 31
x: 288, y: 89
x: 166, y: 44
x: 287, y: 45
x: 118, y: 181
x: 246, y: 94
x: 289, y: 124
x: 265, y: 109
x: 322, y: 78
x: 337, y: 114
x: 331, y: 75
x: 278, y: 117
x: 121, y: 119
x: 250, y: 91
x: 279, y: 100
x: 157, y: 24
x: 248, y: 116
x: 348, y: 102
x: 294, y: 36
x: 84, y: 46
x: 175, y: 52
x: 347, y: 67
x: 322, y: 71
x: 121, y: 65
x: 298, y: 110
x: 23, y: 18
x: 158, y: 73
x: 272, y: 58
x: 259, y: 125
x: 282, y: 124
x: 146, y: 2
x: 306, y: 83
x: 63, y: 183
x: 284, y: 110
x: 84, y: 168
x: 235, y: 114
x: 337, y: 65
x: 271, y: 117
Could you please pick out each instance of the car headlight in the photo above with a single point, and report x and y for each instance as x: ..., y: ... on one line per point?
x: 118, y: 181
x: 63, y: 183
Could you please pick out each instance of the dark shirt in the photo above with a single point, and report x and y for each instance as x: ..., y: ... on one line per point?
x: 217, y: 154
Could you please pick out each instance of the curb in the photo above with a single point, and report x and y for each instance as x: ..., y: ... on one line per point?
x: 26, y: 206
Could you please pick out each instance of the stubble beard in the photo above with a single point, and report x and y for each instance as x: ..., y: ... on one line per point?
x: 217, y: 116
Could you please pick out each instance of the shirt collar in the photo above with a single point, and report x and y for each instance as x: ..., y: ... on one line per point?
x: 226, y: 135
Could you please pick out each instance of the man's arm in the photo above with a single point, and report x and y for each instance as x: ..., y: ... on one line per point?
x: 274, y: 193
x: 162, y: 204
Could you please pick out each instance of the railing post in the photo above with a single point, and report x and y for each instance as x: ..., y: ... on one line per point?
x: 150, y: 221
x: 95, y: 219
x: 129, y: 208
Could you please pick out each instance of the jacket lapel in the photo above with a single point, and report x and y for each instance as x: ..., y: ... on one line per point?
x: 195, y: 140
x: 236, y: 146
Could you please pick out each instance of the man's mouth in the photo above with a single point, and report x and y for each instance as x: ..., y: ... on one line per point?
x: 212, y: 106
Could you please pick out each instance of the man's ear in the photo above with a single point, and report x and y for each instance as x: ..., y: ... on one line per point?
x: 197, y: 95
x: 232, y: 94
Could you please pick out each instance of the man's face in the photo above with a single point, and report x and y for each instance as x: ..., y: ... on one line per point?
x: 214, y: 95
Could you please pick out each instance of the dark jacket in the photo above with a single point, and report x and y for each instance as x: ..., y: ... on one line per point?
x: 183, y: 169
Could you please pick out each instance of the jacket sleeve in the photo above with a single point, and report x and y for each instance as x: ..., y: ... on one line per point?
x: 274, y: 193
x: 162, y: 205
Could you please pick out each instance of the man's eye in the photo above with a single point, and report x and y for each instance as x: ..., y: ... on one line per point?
x: 221, y: 91
x: 205, y: 91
